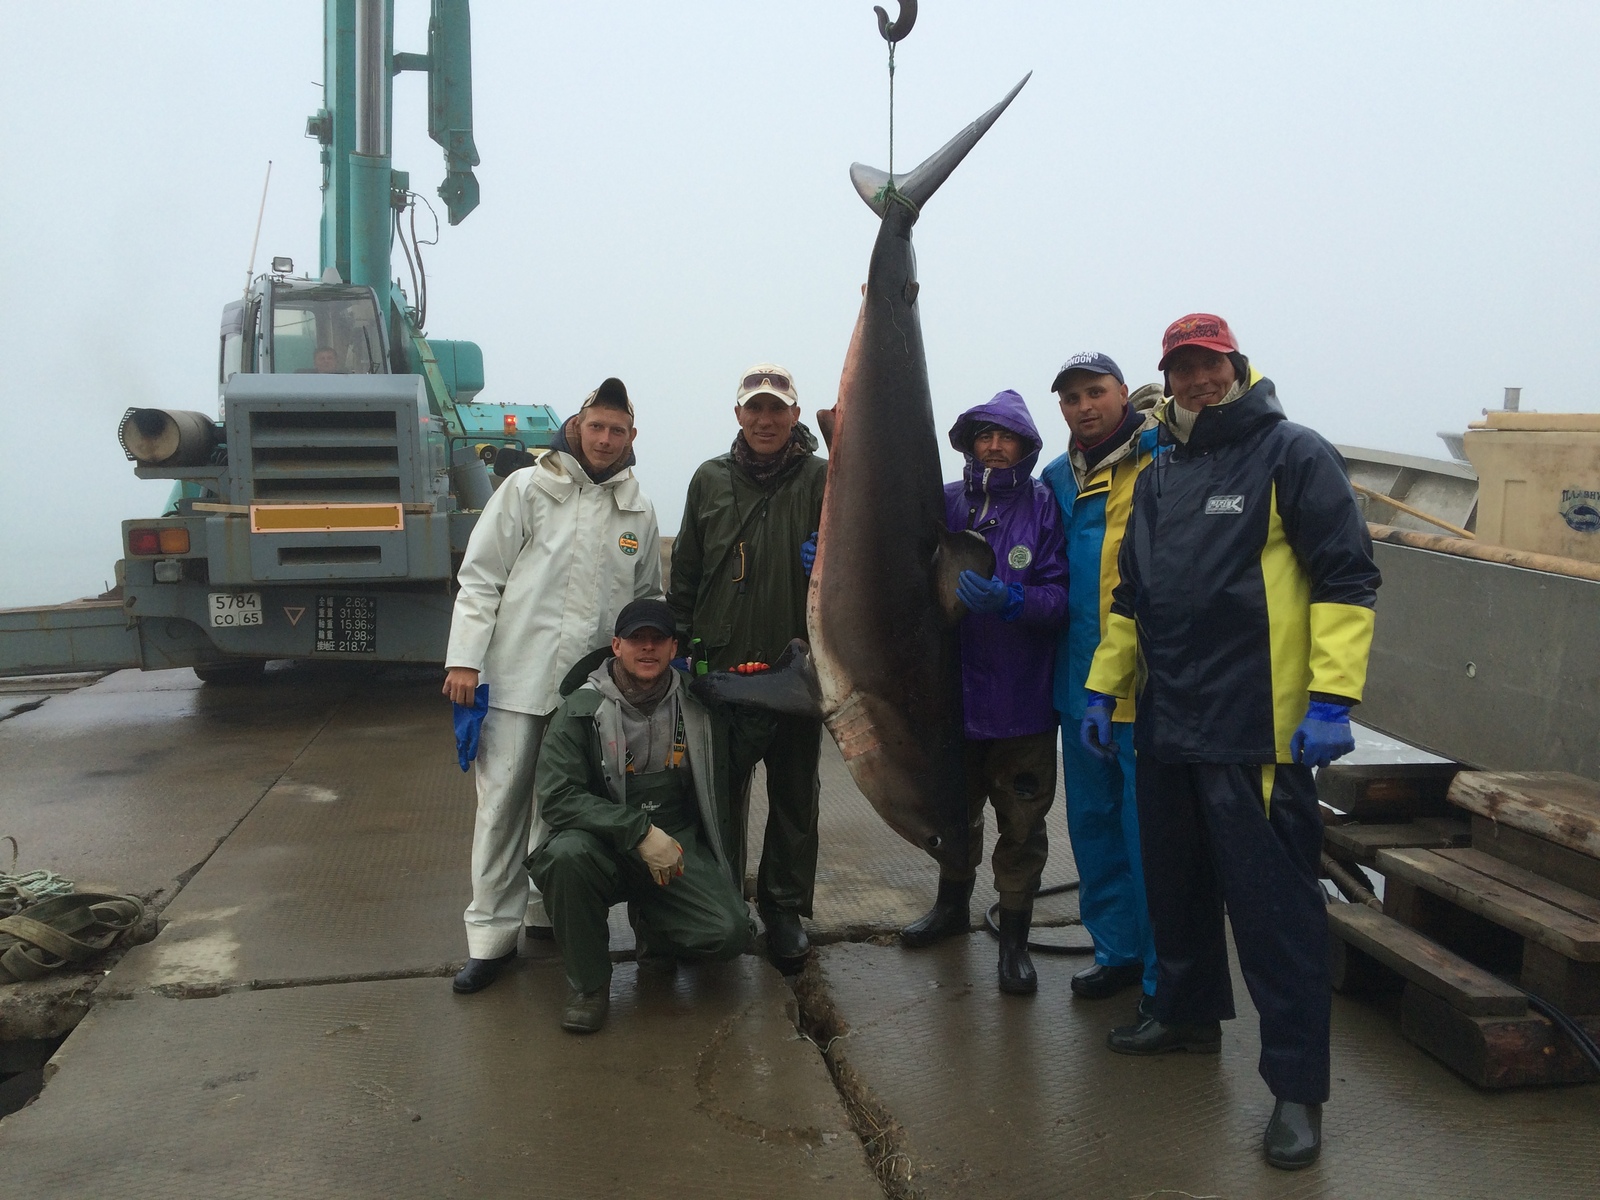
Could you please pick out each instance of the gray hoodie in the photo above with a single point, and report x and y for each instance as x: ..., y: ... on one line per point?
x: 652, y: 738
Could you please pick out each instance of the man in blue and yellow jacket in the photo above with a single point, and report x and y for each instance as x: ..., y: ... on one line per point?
x: 1113, y: 436
x: 1244, y: 609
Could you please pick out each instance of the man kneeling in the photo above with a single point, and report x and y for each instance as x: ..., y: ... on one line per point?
x: 633, y: 778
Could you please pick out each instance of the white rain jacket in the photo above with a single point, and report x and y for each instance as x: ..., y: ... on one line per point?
x: 550, y: 564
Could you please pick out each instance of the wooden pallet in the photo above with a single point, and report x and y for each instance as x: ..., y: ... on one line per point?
x: 1360, y: 842
x: 1394, y: 792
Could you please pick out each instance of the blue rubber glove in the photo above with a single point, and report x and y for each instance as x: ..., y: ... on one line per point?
x: 990, y: 596
x: 469, y: 724
x: 1095, y: 732
x: 1324, y: 735
x: 808, y: 553
x: 680, y: 664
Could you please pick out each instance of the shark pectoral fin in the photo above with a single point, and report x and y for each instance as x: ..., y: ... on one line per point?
x: 960, y: 551
x: 789, y: 687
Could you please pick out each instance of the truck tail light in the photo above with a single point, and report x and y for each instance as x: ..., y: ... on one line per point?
x: 175, y: 541
x: 511, y: 422
x: 144, y: 541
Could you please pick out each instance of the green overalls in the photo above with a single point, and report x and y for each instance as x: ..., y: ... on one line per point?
x: 698, y: 915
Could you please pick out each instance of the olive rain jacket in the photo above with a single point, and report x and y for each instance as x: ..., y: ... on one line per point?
x: 550, y: 563
x: 1246, y: 585
x: 582, y: 777
x: 1094, y: 514
x: 1007, y: 666
x: 736, y: 580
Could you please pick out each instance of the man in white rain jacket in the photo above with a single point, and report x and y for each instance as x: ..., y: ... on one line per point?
x: 560, y: 548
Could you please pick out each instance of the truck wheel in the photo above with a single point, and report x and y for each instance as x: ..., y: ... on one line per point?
x: 244, y: 670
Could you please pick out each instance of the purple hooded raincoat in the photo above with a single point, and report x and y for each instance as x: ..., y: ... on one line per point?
x: 1007, y: 667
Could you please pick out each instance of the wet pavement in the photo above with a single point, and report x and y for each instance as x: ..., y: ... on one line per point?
x: 291, y: 1029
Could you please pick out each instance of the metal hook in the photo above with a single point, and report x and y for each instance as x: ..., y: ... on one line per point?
x: 897, y: 29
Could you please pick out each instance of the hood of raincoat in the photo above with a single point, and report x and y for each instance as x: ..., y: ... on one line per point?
x: 1009, y: 411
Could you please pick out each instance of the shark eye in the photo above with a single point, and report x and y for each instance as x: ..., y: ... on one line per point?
x: 933, y: 841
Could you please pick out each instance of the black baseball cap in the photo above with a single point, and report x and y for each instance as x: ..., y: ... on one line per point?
x: 646, y: 614
x: 1092, y: 362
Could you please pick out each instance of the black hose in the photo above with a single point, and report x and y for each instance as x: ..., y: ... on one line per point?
x: 1579, y: 1035
x: 993, y: 927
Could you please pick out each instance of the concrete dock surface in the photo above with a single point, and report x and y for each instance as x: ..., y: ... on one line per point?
x: 291, y: 1029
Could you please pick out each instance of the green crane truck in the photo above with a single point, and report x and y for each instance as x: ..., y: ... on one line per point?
x: 322, y: 512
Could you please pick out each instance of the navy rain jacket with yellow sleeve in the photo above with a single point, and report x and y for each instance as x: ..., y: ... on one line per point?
x: 1246, y: 586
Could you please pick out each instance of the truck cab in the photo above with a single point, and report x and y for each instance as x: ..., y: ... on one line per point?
x: 302, y: 326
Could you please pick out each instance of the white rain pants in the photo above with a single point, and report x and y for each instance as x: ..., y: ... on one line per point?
x: 507, y: 828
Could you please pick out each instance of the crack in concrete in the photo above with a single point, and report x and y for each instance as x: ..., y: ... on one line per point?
x: 705, y: 1077
x: 883, y: 1138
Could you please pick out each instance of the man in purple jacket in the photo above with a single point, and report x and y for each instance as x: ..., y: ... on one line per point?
x: 1008, y: 640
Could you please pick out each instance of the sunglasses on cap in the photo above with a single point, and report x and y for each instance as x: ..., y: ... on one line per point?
x: 767, y: 380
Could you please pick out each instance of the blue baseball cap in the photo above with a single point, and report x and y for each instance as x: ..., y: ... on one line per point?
x: 1091, y: 361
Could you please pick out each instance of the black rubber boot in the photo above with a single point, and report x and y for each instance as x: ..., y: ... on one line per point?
x: 479, y: 973
x: 951, y: 914
x: 1294, y: 1135
x: 1150, y: 1036
x: 1017, y: 977
x: 787, y: 944
x: 1100, y: 981
x: 585, y: 1012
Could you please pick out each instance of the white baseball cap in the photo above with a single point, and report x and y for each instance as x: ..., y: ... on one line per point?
x: 767, y: 379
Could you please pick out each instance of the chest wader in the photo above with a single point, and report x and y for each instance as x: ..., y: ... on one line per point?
x: 698, y: 915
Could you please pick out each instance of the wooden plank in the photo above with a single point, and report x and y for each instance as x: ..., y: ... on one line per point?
x: 1387, y: 793
x: 1361, y: 842
x: 1537, y: 854
x: 1531, y: 882
x: 1554, y: 805
x: 1492, y: 1052
x: 1354, y: 973
x: 1501, y: 903
x: 1573, y: 987
x: 1425, y: 963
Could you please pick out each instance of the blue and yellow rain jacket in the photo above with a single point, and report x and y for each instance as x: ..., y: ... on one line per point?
x: 1246, y: 586
x: 1094, y: 504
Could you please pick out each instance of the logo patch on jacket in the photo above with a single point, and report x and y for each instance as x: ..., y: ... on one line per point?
x: 1019, y: 557
x: 629, y: 542
x: 1224, y: 504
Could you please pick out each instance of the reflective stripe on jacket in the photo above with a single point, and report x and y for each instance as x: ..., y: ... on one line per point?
x: 1246, y: 583
x: 551, y: 562
x: 1094, y: 514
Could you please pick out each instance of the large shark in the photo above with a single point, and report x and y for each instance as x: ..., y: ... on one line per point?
x: 882, y: 668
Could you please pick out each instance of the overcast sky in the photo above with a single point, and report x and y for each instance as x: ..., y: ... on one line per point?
x: 1393, y: 204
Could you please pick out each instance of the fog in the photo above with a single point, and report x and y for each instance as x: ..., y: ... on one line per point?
x: 1393, y: 205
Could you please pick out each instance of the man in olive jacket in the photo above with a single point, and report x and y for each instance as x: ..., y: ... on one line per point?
x: 633, y: 778
x: 738, y: 590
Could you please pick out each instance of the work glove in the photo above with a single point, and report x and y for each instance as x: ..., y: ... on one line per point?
x: 680, y: 664
x: 990, y: 596
x: 1324, y: 735
x: 1095, y: 732
x: 808, y: 554
x: 662, y: 855
x: 469, y: 725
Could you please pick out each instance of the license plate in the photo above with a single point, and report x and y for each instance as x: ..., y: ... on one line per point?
x: 231, y: 610
x: 347, y: 625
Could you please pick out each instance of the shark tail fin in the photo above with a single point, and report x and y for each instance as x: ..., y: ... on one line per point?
x: 875, y: 186
x: 789, y: 687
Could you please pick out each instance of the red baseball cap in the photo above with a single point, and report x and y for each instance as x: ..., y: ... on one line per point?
x: 1197, y: 329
